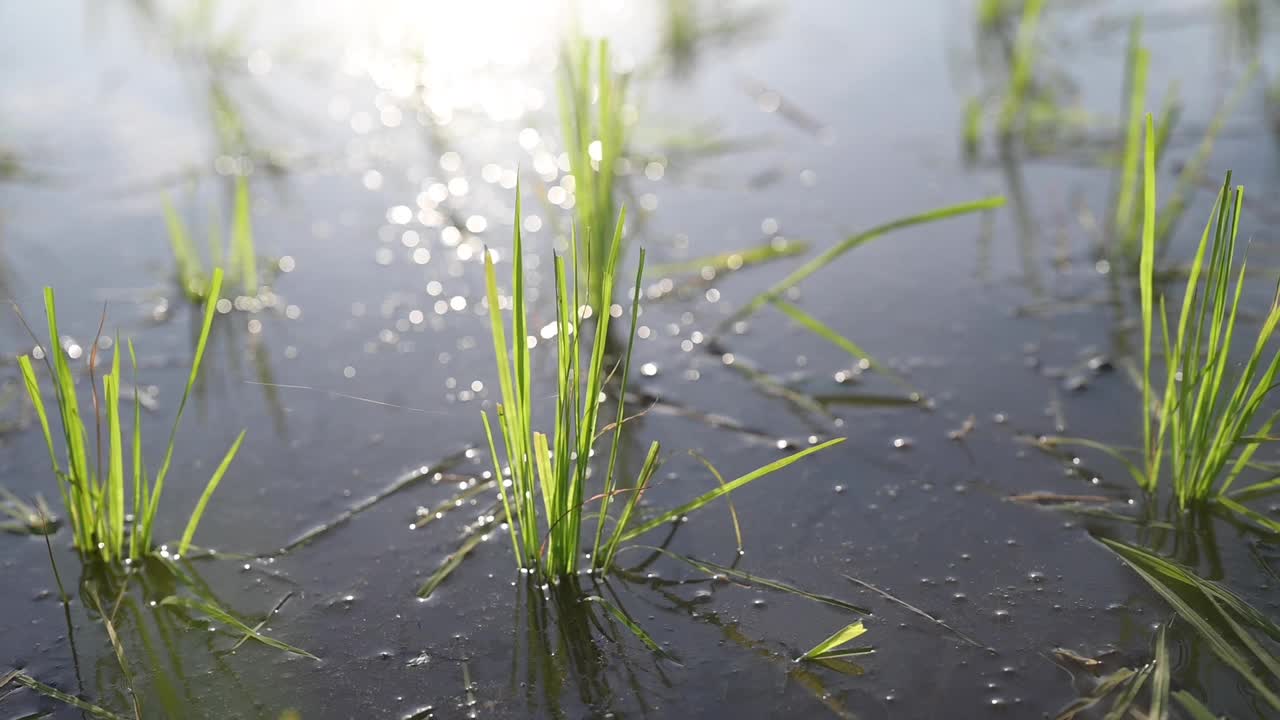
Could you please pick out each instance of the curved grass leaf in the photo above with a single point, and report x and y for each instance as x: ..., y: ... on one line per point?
x: 209, y: 487
x: 726, y: 488
x: 831, y: 646
x: 226, y: 618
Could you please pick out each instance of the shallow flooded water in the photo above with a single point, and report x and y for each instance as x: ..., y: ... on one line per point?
x: 383, y: 141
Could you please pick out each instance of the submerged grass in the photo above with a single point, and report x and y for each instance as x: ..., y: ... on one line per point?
x: 93, y: 490
x: 554, y: 470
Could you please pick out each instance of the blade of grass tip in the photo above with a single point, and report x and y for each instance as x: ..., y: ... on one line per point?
x: 714, y: 569
x: 1160, y: 679
x: 1195, y: 709
x: 65, y: 698
x: 840, y: 637
x: 244, y: 261
x: 633, y: 626
x: 209, y: 487
x: 1146, y: 272
x: 727, y: 488
x: 851, y: 242
x: 210, y: 310
x: 222, y: 616
x: 815, y: 326
x: 733, y: 512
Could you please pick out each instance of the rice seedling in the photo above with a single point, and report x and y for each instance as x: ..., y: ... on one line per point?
x: 106, y: 522
x: 1210, y: 424
x: 1226, y: 623
x: 555, y: 468
x: 1201, y: 423
x: 593, y: 99
x: 241, y: 259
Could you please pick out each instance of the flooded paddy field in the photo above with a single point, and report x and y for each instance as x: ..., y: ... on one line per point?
x: 919, y: 227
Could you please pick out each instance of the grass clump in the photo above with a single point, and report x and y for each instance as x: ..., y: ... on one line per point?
x: 92, y: 486
x: 1206, y: 421
x: 241, y: 260
x: 554, y: 469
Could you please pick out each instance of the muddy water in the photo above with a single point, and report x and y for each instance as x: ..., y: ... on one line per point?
x: 384, y: 142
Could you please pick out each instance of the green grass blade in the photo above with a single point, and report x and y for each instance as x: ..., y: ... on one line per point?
x: 733, y: 511
x: 620, y: 420
x: 747, y: 578
x: 451, y: 563
x: 32, y: 384
x: 1157, y: 572
x: 816, y: 327
x: 226, y: 618
x: 1159, y: 708
x: 854, y: 241
x: 840, y: 637
x: 726, y: 489
x: 1146, y: 284
x: 115, y: 459
x: 1195, y: 709
x: 1124, y: 702
x: 210, y: 310
x: 628, y: 510
x: 140, y: 491
x: 209, y: 488
x: 1256, y: 490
